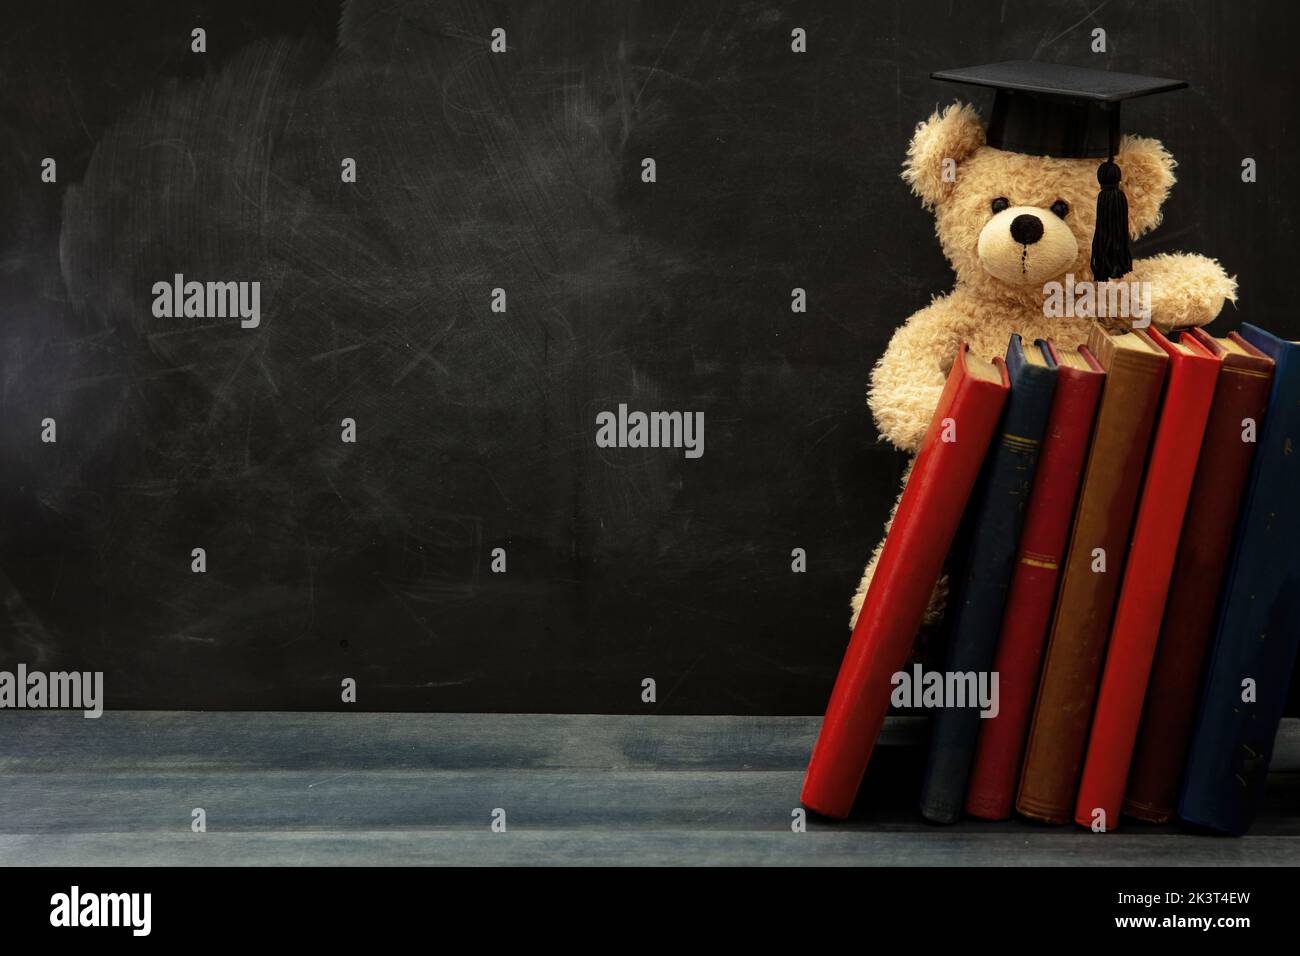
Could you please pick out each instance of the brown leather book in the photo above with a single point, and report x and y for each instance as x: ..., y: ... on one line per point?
x: 1135, y: 372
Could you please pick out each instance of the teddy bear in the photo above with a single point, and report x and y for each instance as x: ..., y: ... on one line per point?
x: 1010, y: 224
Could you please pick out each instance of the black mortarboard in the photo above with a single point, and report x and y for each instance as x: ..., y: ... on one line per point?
x: 1070, y: 112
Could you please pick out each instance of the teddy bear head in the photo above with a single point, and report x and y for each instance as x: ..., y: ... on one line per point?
x: 1010, y: 222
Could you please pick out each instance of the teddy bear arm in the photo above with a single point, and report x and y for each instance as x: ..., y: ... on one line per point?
x: 908, y: 380
x: 1186, y: 289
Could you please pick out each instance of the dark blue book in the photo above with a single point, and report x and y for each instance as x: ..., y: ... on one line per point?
x: 995, y: 516
x: 1259, y: 619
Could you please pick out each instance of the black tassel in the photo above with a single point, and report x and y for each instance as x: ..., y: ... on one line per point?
x: 1110, y: 255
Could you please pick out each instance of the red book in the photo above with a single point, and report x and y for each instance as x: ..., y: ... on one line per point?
x: 1189, y: 392
x: 1204, y: 554
x: 910, y: 563
x: 1048, y: 519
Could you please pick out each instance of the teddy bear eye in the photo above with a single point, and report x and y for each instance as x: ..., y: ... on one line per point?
x: 1000, y: 204
x: 1061, y: 208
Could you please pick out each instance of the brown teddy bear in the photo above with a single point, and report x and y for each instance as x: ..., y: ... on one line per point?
x: 1011, y: 223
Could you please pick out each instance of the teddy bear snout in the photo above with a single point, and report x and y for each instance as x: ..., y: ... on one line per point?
x: 1026, y: 229
x: 1026, y: 246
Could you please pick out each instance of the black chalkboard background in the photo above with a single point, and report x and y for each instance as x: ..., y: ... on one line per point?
x: 476, y: 430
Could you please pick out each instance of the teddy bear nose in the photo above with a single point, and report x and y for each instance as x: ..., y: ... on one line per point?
x: 1026, y: 229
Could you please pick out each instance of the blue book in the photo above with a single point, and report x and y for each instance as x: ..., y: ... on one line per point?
x: 996, y: 514
x: 1259, y: 619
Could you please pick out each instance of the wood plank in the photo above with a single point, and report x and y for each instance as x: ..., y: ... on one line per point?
x: 569, y: 799
x: 420, y: 788
x: 637, y: 848
x: 144, y: 740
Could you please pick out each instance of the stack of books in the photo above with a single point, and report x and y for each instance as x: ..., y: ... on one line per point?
x: 1127, y: 567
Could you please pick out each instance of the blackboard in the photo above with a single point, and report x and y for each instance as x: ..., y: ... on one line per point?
x: 475, y: 429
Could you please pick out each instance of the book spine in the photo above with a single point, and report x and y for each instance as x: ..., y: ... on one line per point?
x: 1033, y: 592
x: 1199, y: 571
x: 1257, y: 637
x: 1149, y: 567
x: 926, y: 519
x: 1059, y: 730
x: 998, y: 511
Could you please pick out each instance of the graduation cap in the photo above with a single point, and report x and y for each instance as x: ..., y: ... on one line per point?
x: 1070, y: 112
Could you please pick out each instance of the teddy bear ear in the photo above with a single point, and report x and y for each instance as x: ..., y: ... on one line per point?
x: 939, y: 146
x: 1146, y: 176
